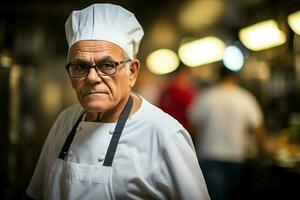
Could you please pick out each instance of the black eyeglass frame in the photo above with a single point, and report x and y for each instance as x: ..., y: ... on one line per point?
x: 96, y: 69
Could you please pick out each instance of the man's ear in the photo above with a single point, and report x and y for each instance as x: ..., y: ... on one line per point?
x: 133, y: 71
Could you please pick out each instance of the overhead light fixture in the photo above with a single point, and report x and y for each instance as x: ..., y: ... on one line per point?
x: 5, y: 61
x: 197, y: 15
x: 233, y: 58
x: 162, y: 61
x: 263, y: 35
x: 294, y: 22
x: 202, y: 51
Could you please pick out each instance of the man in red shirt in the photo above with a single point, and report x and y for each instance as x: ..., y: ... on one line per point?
x: 178, y: 95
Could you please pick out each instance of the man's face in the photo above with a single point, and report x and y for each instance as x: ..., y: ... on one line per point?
x: 102, y: 93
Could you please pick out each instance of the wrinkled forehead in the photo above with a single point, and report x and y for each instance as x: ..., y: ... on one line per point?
x: 98, y: 48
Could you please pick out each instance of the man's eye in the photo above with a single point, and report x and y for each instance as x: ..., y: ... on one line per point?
x: 107, y: 65
x: 79, y: 67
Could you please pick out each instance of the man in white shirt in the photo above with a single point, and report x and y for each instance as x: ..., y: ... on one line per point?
x: 223, y: 117
x: 115, y: 144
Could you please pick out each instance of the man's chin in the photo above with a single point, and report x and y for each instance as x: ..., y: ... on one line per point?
x: 94, y: 106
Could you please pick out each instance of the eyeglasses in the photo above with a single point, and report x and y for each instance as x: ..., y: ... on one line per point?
x: 106, y: 68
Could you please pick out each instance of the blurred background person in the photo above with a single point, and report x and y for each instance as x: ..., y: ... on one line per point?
x: 178, y: 94
x: 222, y: 118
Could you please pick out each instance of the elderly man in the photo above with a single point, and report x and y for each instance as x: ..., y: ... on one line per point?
x: 115, y: 144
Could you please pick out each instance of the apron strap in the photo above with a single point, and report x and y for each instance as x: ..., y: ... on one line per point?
x: 117, y: 133
x: 69, y: 139
x: 114, y: 140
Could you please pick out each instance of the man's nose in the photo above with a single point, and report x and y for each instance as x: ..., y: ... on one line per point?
x: 93, y: 75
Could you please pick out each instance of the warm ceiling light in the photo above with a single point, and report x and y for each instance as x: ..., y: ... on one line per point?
x: 294, y: 21
x: 202, y: 51
x: 262, y: 35
x: 5, y: 61
x: 162, y: 61
x: 196, y: 15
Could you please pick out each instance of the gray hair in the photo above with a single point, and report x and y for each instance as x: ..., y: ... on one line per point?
x: 127, y: 64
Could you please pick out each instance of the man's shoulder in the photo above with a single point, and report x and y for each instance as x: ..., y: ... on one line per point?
x: 159, y: 125
x: 159, y: 119
x: 70, y: 114
x: 74, y: 109
x: 65, y: 121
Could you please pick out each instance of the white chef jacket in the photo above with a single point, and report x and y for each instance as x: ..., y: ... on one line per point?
x: 155, y: 157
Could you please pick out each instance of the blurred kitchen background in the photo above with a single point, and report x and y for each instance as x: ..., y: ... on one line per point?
x: 34, y: 85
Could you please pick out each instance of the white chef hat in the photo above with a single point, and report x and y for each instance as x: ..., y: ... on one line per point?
x: 105, y: 22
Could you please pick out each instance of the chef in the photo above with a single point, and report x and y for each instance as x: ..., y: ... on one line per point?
x: 114, y: 144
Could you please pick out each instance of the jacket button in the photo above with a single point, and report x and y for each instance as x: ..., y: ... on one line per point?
x: 101, y: 158
x: 71, y: 152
